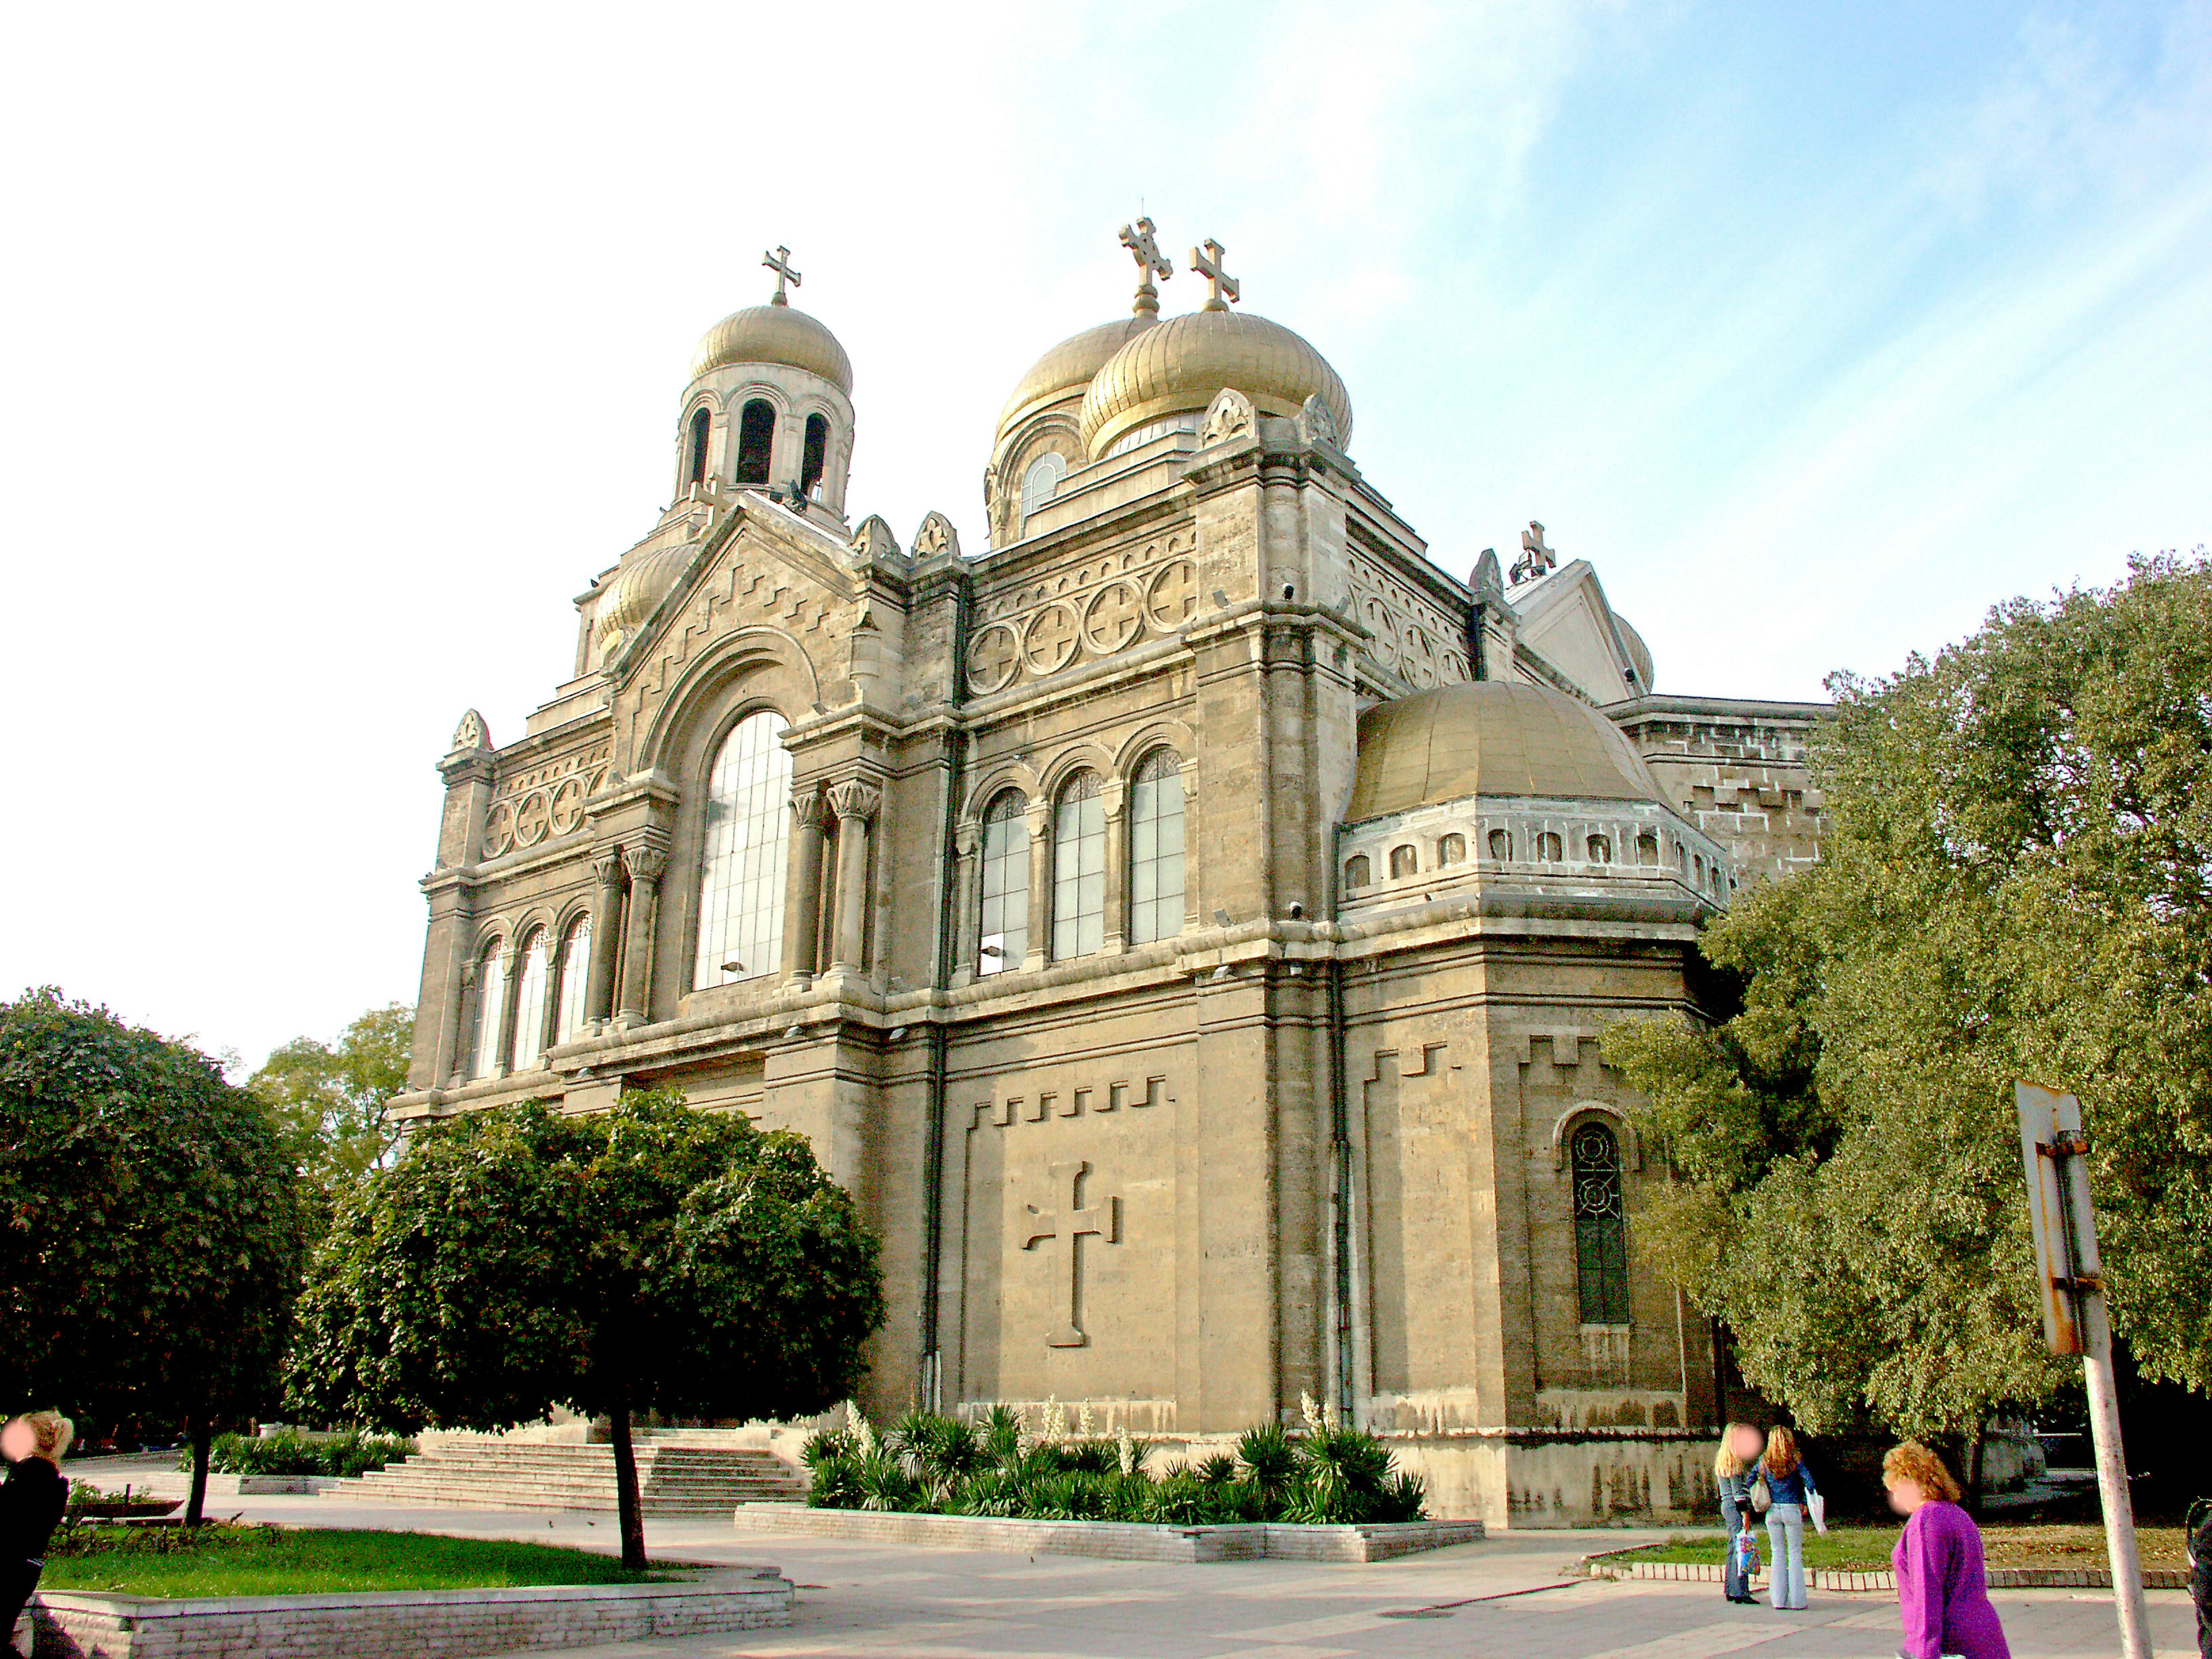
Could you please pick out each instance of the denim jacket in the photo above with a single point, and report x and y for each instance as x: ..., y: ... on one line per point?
x: 1736, y: 1489
x: 1794, y: 1488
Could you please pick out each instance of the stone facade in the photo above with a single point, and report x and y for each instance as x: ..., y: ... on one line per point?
x: 1187, y: 926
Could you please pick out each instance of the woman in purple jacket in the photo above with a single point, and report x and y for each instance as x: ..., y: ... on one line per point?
x: 1942, y: 1587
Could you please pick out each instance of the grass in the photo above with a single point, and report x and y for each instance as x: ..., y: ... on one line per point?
x: 289, y: 1561
x: 1857, y: 1549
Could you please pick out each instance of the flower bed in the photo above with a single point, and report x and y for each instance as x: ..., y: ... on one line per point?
x: 1328, y: 1475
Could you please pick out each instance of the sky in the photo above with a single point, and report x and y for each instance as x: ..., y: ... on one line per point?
x: 341, y: 347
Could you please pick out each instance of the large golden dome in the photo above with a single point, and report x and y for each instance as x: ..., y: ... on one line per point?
x: 775, y: 334
x: 637, y: 589
x: 1066, y: 370
x: 1175, y: 367
x: 1492, y: 738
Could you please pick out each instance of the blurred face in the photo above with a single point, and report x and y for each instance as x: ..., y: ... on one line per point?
x: 1747, y: 1444
x: 1906, y: 1496
x: 17, y: 1441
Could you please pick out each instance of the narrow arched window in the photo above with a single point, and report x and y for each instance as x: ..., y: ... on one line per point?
x: 1452, y: 850
x: 1078, y: 869
x: 1601, y: 1225
x: 1501, y: 846
x: 1041, y: 482
x: 1404, y: 862
x: 530, y: 1004
x: 814, y: 460
x: 703, y: 423
x: 1548, y: 848
x: 1599, y: 848
x: 1006, y: 884
x: 756, y: 441
x: 575, y: 974
x: 1358, y: 873
x: 742, y: 870
x: 491, y: 1012
x: 1646, y: 849
x: 1156, y: 850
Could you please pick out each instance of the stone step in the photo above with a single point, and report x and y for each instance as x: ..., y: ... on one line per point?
x: 488, y: 1473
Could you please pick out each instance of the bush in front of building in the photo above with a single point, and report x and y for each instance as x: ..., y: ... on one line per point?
x: 928, y: 1464
x: 355, y: 1452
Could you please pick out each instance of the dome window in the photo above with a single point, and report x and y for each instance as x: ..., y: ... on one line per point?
x: 1452, y: 850
x: 816, y: 457
x: 1501, y: 846
x: 1549, y: 849
x: 1404, y: 862
x: 703, y: 423
x: 1646, y: 849
x: 1041, y: 482
x: 1357, y: 872
x: 756, y: 441
x: 1599, y: 848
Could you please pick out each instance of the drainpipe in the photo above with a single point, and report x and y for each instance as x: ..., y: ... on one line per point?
x: 1339, y: 1117
x: 948, y: 940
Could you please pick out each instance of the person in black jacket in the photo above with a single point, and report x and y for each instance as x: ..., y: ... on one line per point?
x: 31, y: 1506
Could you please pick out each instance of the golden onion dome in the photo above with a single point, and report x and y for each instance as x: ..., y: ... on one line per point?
x: 1066, y: 370
x: 1178, y: 366
x: 637, y: 590
x: 1492, y: 738
x: 775, y: 334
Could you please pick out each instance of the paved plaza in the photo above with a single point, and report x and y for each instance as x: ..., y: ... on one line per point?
x: 1506, y: 1598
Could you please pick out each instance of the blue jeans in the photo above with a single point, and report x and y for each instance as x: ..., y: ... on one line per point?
x: 1732, y: 1576
x: 1785, y: 1570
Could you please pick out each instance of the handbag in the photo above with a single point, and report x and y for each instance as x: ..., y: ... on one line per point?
x: 1762, y: 1495
x: 1816, y: 1505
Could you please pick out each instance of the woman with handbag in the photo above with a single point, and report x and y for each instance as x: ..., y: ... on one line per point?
x: 1942, y: 1585
x: 1790, y: 1493
x: 1739, y: 1449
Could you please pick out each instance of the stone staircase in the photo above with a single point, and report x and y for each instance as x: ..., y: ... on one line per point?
x: 701, y: 1472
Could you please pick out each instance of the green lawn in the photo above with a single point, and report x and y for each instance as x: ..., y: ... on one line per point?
x: 274, y: 1561
x: 1862, y: 1548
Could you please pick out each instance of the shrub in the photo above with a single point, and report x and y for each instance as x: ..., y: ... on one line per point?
x: 289, y: 1452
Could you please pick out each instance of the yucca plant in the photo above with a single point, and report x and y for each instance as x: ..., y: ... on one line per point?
x: 1270, y: 1460
x: 1002, y: 1433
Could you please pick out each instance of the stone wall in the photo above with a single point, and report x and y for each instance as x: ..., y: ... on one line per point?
x: 1737, y: 771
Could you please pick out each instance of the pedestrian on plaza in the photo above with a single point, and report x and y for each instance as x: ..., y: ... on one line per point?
x: 31, y: 1506
x: 1942, y: 1587
x: 1739, y: 1450
x: 1791, y: 1494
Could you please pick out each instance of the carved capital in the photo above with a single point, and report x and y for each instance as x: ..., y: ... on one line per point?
x: 854, y: 799
x: 607, y: 867
x: 806, y: 808
x: 644, y: 864
x: 968, y: 837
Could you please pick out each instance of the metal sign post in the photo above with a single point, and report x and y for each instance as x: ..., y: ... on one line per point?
x: 2069, y: 1278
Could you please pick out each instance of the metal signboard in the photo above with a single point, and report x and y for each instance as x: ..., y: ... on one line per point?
x: 2049, y: 1129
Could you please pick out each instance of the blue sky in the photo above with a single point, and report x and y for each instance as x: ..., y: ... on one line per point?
x: 344, y: 348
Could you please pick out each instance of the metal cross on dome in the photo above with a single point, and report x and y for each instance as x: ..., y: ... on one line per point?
x: 780, y: 263
x: 1209, y: 267
x: 1138, y: 238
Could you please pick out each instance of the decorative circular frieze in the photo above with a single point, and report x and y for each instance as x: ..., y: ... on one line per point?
x: 1419, y: 658
x: 1048, y: 641
x: 1113, y: 617
x: 499, y: 830
x: 568, y: 805
x: 1171, y: 597
x: 533, y: 816
x: 993, y: 656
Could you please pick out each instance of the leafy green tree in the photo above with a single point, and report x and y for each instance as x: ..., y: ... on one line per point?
x: 151, y: 1227
x: 330, y: 1099
x: 2014, y: 883
x: 653, y: 1257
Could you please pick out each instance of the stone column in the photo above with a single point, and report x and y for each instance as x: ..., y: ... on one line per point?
x: 802, y: 923
x: 967, y: 901
x: 855, y: 804
x: 510, y: 1004
x: 1114, y: 796
x: 644, y: 865
x: 453, y: 1057
x: 1039, y: 816
x: 1190, y: 888
x: 606, y: 938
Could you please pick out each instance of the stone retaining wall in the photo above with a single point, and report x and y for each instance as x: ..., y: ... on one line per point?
x: 1826, y: 1579
x: 423, y: 1624
x: 1121, y: 1541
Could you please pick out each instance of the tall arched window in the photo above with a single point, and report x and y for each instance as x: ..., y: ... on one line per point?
x: 1601, y: 1225
x: 1006, y: 921
x: 1156, y: 850
x: 756, y: 441
x: 491, y: 1012
x: 741, y: 870
x: 1078, y: 869
x: 575, y: 978
x: 703, y: 423
x: 529, y: 1004
x: 1041, y: 481
x: 815, y: 458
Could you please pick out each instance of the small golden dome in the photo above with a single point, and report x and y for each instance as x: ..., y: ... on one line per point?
x: 637, y: 590
x: 775, y: 334
x: 1178, y: 366
x: 1492, y: 738
x: 1066, y: 370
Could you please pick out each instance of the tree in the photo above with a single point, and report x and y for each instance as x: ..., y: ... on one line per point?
x: 153, y: 1238
x: 653, y: 1257
x: 2014, y: 883
x: 330, y: 1100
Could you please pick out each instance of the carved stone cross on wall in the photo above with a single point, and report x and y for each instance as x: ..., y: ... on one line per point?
x: 1068, y: 1228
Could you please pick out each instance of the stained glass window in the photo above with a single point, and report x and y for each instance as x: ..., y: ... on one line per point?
x: 1156, y: 850
x: 747, y: 846
x: 1006, y: 921
x: 1601, y: 1225
x: 1078, y: 869
x: 491, y: 1010
x: 530, y: 1004
x: 575, y: 977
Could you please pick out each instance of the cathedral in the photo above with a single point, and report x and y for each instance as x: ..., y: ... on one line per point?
x: 1186, y: 924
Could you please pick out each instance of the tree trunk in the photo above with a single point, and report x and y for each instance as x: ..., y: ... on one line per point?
x: 203, y: 1439
x: 1974, y: 1470
x: 629, y: 1512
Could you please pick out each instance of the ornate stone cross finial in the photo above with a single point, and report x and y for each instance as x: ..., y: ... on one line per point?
x: 1209, y: 267
x: 780, y: 263
x: 1138, y: 238
x: 1535, y: 558
x: 1067, y: 1222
